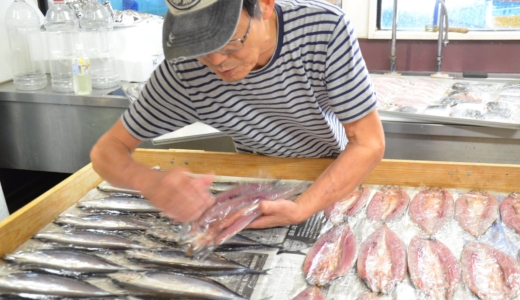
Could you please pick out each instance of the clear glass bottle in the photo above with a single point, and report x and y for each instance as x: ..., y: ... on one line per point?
x: 96, y: 33
x: 25, y: 43
x: 80, y: 69
x: 62, y: 28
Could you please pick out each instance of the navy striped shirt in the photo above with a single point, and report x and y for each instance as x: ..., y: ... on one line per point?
x: 295, y: 106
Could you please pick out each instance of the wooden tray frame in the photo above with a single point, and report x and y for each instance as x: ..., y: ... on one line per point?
x: 24, y: 223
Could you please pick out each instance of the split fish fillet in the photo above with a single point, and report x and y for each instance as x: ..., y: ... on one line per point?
x: 433, y: 268
x: 310, y: 293
x: 510, y: 211
x: 476, y: 211
x: 382, y: 260
x: 431, y: 208
x: 349, y: 206
x: 332, y: 256
x: 490, y: 273
x: 368, y: 296
x: 388, y: 204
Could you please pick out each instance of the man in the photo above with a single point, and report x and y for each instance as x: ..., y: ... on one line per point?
x: 284, y: 79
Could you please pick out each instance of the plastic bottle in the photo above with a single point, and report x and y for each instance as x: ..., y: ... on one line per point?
x: 25, y: 42
x: 82, y: 80
x: 62, y: 28
x: 96, y: 30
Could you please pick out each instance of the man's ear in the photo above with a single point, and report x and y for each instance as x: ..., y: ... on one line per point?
x: 267, y: 7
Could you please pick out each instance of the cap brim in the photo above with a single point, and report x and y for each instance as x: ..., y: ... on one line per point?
x: 200, y: 32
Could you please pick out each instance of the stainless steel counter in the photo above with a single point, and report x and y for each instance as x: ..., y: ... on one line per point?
x: 46, y: 131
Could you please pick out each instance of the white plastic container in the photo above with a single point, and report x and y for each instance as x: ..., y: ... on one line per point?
x: 96, y: 33
x: 25, y: 44
x: 62, y: 28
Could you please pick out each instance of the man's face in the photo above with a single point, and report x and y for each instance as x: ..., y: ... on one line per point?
x: 236, y: 66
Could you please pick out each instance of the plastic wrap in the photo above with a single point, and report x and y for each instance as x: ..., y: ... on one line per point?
x: 233, y: 211
x: 348, y: 207
x: 476, y: 211
x: 431, y: 209
x: 433, y: 268
x: 388, y: 204
x: 332, y: 256
x: 490, y: 273
x: 509, y: 211
x: 382, y: 261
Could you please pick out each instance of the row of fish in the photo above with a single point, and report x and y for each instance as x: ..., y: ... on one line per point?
x: 383, y: 259
x: 127, y: 242
x: 430, y: 209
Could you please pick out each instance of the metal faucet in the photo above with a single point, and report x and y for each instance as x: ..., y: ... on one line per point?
x: 444, y: 27
x: 394, y: 38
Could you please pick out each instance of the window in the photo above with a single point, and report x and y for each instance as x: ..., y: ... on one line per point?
x: 472, y: 14
x: 499, y: 20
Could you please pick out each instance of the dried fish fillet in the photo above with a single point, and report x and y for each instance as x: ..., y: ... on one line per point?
x: 476, y: 211
x: 310, y: 293
x: 368, y: 296
x: 382, y: 260
x: 162, y: 285
x: 433, y: 268
x: 89, y: 240
x: 490, y: 273
x: 106, y: 222
x: 331, y: 256
x: 349, y: 206
x: 119, y: 204
x: 47, y: 285
x: 510, y: 211
x: 388, y: 204
x: 63, y: 261
x: 431, y: 208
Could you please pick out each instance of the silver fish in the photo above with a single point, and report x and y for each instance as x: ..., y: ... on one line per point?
x: 48, y: 285
x: 119, y: 204
x: 173, y: 258
x: 169, y: 285
x: 108, y: 222
x: 113, y: 189
x: 66, y: 260
x: 89, y: 240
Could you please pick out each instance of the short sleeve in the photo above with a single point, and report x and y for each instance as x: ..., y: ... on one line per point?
x: 350, y: 89
x: 163, y: 106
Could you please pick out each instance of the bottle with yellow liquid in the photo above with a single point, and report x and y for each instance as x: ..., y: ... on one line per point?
x: 81, y: 78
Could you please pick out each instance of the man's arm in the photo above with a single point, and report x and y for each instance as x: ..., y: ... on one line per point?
x: 182, y: 197
x: 364, y: 151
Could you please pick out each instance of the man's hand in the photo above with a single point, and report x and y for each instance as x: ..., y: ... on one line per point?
x: 181, y: 196
x: 280, y: 212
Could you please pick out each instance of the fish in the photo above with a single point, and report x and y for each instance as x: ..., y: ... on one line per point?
x: 119, y: 204
x: 225, y: 219
x: 310, y: 293
x: 112, y: 189
x: 164, y: 285
x: 349, y: 206
x: 490, y: 273
x: 433, y: 268
x: 331, y: 256
x: 107, y: 222
x: 431, y: 209
x: 177, y: 258
x: 382, y: 260
x: 388, y: 204
x: 476, y: 211
x: 510, y: 211
x: 62, y: 260
x: 89, y: 240
x: 47, y: 285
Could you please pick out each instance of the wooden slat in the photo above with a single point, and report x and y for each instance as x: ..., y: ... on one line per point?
x: 504, y: 178
x: 27, y: 221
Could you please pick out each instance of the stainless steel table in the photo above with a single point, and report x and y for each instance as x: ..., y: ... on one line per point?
x: 47, y: 131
